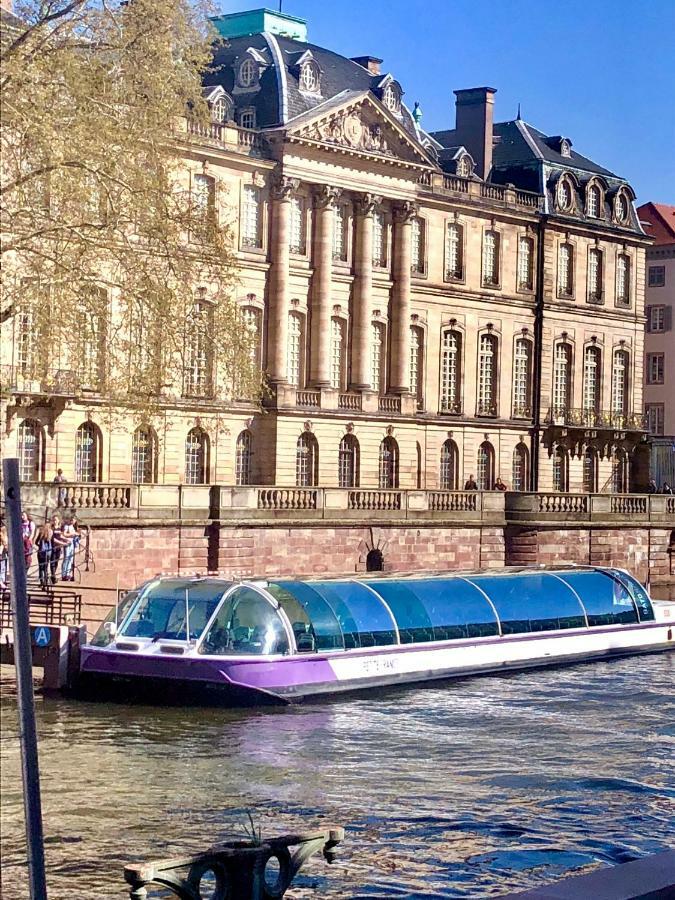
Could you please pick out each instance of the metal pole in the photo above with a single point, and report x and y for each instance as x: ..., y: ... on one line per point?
x: 23, y: 661
x: 187, y: 616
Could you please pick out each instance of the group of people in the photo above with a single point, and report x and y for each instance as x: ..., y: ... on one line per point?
x: 472, y: 485
x: 53, y: 542
x: 653, y: 488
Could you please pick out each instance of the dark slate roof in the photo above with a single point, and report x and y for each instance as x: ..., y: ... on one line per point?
x: 338, y: 74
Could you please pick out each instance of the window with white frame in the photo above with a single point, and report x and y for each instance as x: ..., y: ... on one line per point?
x: 338, y: 368
x: 591, y: 388
x: 297, y: 225
x: 525, y: 263
x: 144, y: 456
x: 454, y: 252
x: 30, y: 450
x: 252, y: 318
x: 90, y: 336
x: 418, y: 242
x: 657, y: 276
x: 449, y: 470
x: 520, y: 466
x: 307, y: 460
x: 296, y: 349
x: 339, y: 233
x: 623, y: 279
x: 655, y: 368
x: 657, y: 319
x: 88, y: 463
x: 564, y: 194
x: 377, y: 348
x: 487, y: 375
x: 417, y: 364
x: 595, y: 275
x: 309, y: 77
x: 203, y: 198
x: 485, y: 466
x: 220, y: 110
x: 197, y: 457
x: 247, y: 117
x: 251, y: 219
x: 451, y: 371
x: 242, y: 458
x: 380, y: 235
x: 594, y: 201
x: 655, y: 413
x: 622, y: 207
x: 388, y: 464
x: 25, y: 341
x: 522, y: 379
x: 198, y: 350
x: 562, y: 378
x: 248, y: 73
x: 620, y: 368
x: 491, y: 258
x: 348, y: 462
x: 565, y: 270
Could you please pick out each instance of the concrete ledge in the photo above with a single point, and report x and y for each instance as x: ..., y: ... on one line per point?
x: 651, y: 878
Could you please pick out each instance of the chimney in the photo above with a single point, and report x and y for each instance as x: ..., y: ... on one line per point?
x: 372, y: 63
x: 473, y: 124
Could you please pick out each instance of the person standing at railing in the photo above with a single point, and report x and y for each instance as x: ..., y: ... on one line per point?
x: 471, y: 484
x: 43, y: 544
x: 59, y: 478
x: 667, y: 488
x: 59, y: 542
x: 70, y: 531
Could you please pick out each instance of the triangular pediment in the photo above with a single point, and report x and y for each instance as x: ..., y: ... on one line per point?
x: 357, y: 123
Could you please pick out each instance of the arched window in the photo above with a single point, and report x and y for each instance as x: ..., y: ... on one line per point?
x: 296, y: 349
x: 309, y: 77
x: 525, y: 263
x: 454, y: 252
x: 595, y: 276
x: 377, y: 356
x: 623, y: 280
x: 619, y: 471
x: 417, y: 364
x: 491, y: 241
x: 566, y: 270
x: 590, y: 471
x: 391, y: 98
x: 485, y: 466
x: 338, y: 355
x: 564, y: 194
x: 621, y: 207
x: 451, y: 372
x: 620, y: 366
x: 560, y: 469
x: 242, y: 458
x: 592, y: 370
x: 522, y: 379
x: 197, y: 448
x: 297, y: 227
x: 374, y: 560
x: 562, y: 379
x: 221, y: 110
x: 88, y: 455
x: 252, y: 317
x: 248, y: 73
x: 487, y: 375
x: 449, y: 466
x: 521, y: 460
x: 388, y: 463
x: 31, y: 451
x: 418, y: 246
x: 594, y: 201
x: 144, y: 456
x: 380, y: 240
x: 348, y: 462
x: 307, y: 460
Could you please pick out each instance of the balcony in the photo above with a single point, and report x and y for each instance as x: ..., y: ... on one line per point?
x: 505, y: 196
x: 554, y: 506
x: 27, y: 380
x: 227, y: 136
x: 596, y: 419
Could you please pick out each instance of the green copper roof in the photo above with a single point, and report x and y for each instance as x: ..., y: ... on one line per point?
x: 254, y: 21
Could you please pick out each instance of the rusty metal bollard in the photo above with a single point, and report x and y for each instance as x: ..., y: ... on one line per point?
x: 235, y: 870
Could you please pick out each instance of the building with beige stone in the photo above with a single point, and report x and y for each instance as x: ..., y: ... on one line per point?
x: 428, y: 307
x: 658, y: 221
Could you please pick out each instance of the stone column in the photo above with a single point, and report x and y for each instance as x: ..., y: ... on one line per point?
x: 399, y: 381
x: 325, y: 198
x: 277, y: 332
x: 362, y: 297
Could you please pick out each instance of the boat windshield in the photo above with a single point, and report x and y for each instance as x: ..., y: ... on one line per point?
x: 105, y: 634
x: 248, y: 623
x: 168, y: 607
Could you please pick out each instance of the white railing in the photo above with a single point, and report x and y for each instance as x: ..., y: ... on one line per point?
x: 287, y: 498
x: 375, y: 500
x: 453, y: 501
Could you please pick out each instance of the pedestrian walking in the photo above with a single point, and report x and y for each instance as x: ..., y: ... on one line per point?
x: 43, y: 544
x: 72, y: 532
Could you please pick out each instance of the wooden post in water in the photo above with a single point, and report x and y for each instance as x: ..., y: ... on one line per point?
x: 23, y: 661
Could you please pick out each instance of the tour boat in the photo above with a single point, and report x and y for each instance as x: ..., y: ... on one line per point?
x: 286, y: 639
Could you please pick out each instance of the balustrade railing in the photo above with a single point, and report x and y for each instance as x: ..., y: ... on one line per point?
x: 374, y: 500
x: 628, y: 505
x: 453, y: 501
x: 352, y: 402
x: 670, y: 505
x: 94, y: 496
x: 526, y: 198
x: 389, y: 404
x: 287, y: 498
x: 492, y: 191
x: 590, y: 418
x: 455, y: 183
x: 557, y: 502
x: 308, y: 399
x: 229, y: 136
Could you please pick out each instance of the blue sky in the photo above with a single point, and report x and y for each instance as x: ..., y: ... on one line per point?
x: 601, y: 72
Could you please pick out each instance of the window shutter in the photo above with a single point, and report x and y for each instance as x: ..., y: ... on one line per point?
x: 668, y: 318
x: 648, y: 323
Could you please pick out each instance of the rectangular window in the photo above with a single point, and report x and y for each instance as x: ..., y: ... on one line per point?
x: 377, y: 335
x: 247, y: 118
x: 339, y: 234
x: 591, y: 396
x: 620, y: 382
x: 198, y: 367
x: 297, y: 229
x: 657, y: 318
x: 337, y: 354
x: 25, y: 342
x: 655, y: 417
x: 90, y: 330
x: 657, y: 276
x: 451, y: 372
x: 562, y: 367
x: 594, y: 275
x: 417, y: 365
x: 379, y: 240
x: 521, y: 379
x: 622, y: 280
x: 296, y: 342
x: 565, y: 270
x: 418, y: 241
x: 490, y: 258
x: 525, y: 261
x: 655, y: 368
x: 203, y: 198
x: 251, y: 220
x: 487, y: 376
x: 454, y: 263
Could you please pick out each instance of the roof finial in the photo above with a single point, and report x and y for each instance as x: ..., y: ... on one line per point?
x: 417, y: 113
x: 518, y: 117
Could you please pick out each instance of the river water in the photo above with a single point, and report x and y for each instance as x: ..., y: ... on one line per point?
x: 466, y: 790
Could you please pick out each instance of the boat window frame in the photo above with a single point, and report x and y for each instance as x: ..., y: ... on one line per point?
x: 630, y: 587
x: 599, y: 570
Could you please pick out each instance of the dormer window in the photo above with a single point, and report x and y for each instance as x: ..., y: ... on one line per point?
x: 247, y: 117
x: 464, y: 166
x: 564, y: 194
x: 220, y: 110
x: 593, y: 201
x: 621, y: 208
x: 248, y: 73
x: 309, y: 77
x: 565, y: 148
x: 391, y: 97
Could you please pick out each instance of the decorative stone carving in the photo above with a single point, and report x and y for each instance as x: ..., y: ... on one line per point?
x: 350, y: 128
x: 405, y: 212
x: 366, y: 204
x: 283, y: 187
x: 325, y: 195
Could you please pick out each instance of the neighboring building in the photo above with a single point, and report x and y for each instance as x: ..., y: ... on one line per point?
x: 428, y: 306
x: 658, y: 221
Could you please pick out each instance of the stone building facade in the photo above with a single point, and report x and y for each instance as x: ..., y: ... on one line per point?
x: 428, y: 307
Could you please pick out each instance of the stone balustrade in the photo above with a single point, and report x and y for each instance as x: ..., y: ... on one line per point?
x: 505, y: 196
x: 93, y: 503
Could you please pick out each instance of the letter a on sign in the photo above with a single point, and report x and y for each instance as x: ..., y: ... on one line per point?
x: 42, y: 636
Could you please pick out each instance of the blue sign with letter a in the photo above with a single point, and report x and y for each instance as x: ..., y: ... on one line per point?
x: 42, y: 636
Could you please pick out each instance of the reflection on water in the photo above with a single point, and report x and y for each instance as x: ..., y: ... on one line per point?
x: 469, y: 790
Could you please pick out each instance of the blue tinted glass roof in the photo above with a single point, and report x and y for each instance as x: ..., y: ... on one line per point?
x: 532, y: 602
x: 606, y: 600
